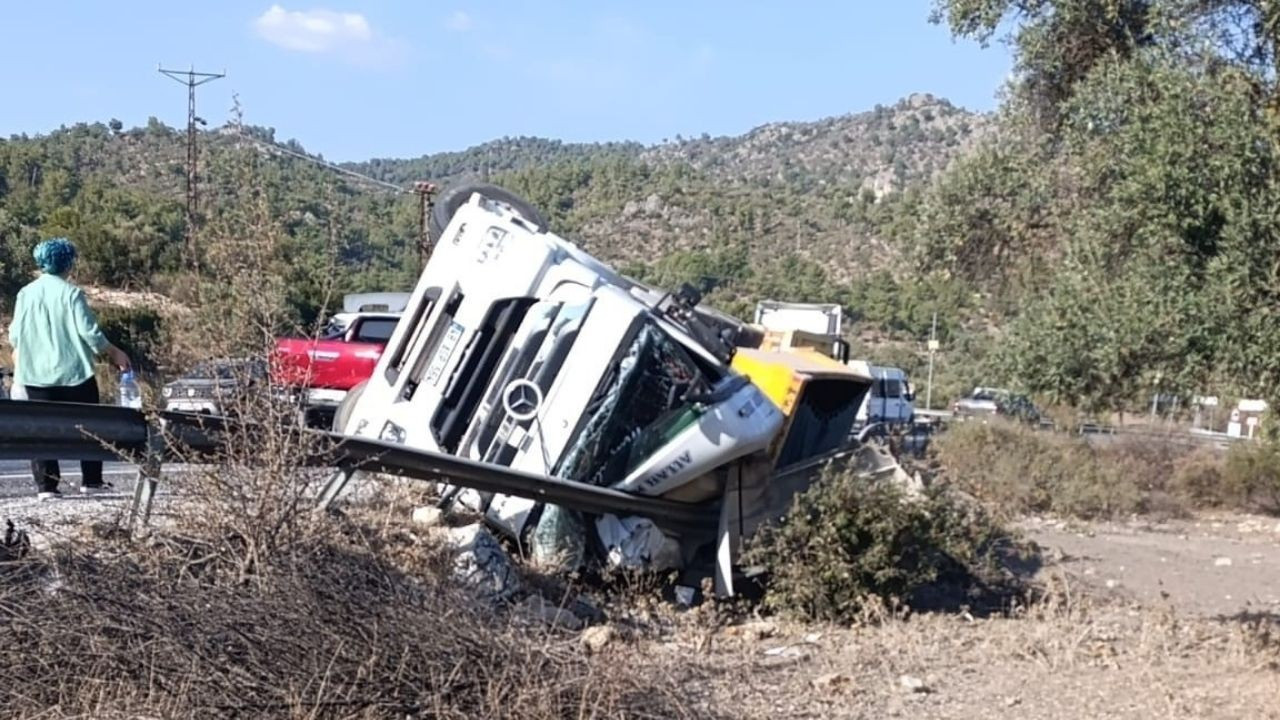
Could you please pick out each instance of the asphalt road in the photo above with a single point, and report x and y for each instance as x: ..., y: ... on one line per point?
x: 15, y: 477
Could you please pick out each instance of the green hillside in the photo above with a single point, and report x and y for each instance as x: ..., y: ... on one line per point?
x: 790, y: 210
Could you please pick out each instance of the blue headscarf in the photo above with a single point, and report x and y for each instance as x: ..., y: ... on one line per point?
x: 55, y: 255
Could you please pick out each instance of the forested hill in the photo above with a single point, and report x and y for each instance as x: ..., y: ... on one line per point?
x: 796, y: 209
x: 881, y: 149
x: 119, y: 193
x: 792, y: 209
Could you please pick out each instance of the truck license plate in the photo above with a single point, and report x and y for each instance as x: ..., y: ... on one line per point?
x: 443, y: 353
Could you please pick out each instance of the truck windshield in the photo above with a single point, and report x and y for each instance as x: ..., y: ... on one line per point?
x: 375, y: 330
x: 888, y: 388
x: 638, y: 406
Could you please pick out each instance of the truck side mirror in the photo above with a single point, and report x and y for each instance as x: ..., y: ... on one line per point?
x: 841, y: 349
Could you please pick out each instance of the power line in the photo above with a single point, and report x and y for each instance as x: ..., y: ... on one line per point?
x: 424, y: 190
x: 325, y: 164
x: 192, y: 80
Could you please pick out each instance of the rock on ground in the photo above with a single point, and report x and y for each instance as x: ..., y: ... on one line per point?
x: 597, y: 637
x: 480, y: 562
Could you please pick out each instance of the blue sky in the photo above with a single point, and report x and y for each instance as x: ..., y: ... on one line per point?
x: 401, y: 78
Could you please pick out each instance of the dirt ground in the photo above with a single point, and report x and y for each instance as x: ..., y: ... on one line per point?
x: 1213, y: 566
x: 1082, y: 661
x: 1143, y: 621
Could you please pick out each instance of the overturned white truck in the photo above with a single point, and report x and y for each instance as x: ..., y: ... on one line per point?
x: 520, y: 350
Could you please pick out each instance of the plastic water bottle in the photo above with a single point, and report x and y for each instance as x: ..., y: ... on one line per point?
x: 130, y: 393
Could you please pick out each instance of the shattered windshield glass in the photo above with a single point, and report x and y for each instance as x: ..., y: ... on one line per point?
x: 640, y: 404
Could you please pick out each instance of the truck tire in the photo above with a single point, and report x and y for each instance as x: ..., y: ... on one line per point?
x: 343, y: 413
x: 449, y: 202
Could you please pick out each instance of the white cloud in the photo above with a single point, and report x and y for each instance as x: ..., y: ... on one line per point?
x: 459, y: 21
x: 348, y: 35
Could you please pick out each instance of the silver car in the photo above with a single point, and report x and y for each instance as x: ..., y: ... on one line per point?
x: 214, y: 387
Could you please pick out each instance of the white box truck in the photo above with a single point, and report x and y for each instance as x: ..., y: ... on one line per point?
x: 788, y: 325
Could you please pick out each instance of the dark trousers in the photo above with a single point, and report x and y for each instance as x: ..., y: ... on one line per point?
x: 47, y: 472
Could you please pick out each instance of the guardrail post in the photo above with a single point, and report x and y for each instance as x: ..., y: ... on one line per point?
x: 332, y: 489
x: 144, y: 489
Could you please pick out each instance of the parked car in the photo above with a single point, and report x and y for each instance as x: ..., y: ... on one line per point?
x: 318, y: 373
x: 986, y: 402
x: 215, y: 387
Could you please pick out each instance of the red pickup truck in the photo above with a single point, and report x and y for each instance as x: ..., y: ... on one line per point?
x: 323, y: 369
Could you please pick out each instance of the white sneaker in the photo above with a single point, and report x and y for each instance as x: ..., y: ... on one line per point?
x: 48, y: 495
x: 103, y: 489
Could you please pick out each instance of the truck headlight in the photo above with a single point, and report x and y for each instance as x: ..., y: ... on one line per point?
x: 392, y: 433
x: 167, y: 391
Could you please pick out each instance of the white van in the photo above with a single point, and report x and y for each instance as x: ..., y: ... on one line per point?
x: 891, y: 400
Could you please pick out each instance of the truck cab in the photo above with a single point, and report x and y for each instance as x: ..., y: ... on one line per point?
x: 520, y: 350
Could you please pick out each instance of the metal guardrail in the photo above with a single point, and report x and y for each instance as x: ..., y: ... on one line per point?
x: 1154, y: 435
x: 377, y: 456
x: 1097, y: 430
x: 102, y: 432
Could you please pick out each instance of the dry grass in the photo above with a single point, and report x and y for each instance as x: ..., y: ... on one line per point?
x: 1064, y: 657
x: 1019, y: 471
x: 351, y: 624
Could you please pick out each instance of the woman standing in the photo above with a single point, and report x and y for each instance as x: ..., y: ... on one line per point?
x: 56, y: 338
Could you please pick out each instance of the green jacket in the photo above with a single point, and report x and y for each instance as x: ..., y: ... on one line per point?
x: 55, y: 333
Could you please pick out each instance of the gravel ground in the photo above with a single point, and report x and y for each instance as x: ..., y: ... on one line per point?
x: 51, y: 521
x: 1212, y: 566
x: 1144, y: 620
x: 1082, y: 659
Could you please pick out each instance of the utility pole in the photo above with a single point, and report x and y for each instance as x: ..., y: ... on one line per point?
x: 933, y: 348
x: 426, y: 192
x: 1155, y: 396
x: 192, y: 80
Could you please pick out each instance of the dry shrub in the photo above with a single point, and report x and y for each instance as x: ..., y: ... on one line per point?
x: 251, y: 502
x: 849, y: 544
x: 1198, y: 477
x: 1021, y: 470
x: 337, y: 631
x: 1026, y: 471
x: 1018, y: 470
x: 1251, y: 477
x: 1147, y: 471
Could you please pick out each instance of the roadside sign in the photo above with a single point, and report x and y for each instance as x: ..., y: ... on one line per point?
x: 934, y: 345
